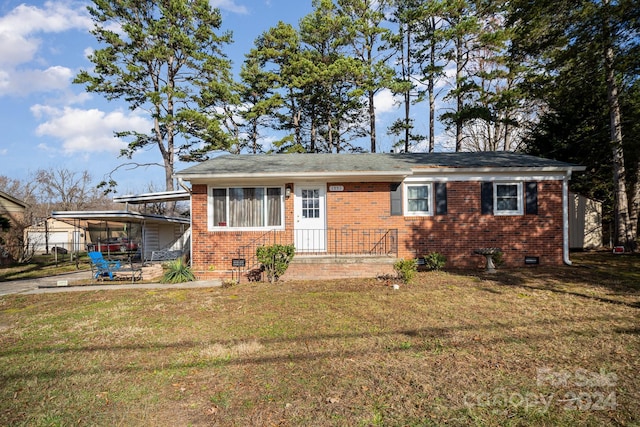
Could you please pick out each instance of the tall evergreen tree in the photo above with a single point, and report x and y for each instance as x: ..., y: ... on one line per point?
x: 407, y: 16
x: 259, y: 101
x: 163, y: 57
x: 276, y: 54
x: 366, y: 34
x: 568, y: 37
x: 463, y: 27
x: 329, y: 79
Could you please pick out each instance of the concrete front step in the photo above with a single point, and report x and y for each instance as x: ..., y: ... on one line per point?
x: 313, y: 267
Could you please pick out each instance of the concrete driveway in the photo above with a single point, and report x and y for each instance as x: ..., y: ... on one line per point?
x: 50, y: 285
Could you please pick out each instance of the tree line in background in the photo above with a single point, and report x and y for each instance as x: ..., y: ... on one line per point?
x: 45, y: 191
x: 556, y: 78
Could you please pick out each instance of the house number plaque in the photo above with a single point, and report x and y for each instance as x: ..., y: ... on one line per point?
x: 336, y: 188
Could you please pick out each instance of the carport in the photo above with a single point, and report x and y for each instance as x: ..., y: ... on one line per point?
x: 154, y: 232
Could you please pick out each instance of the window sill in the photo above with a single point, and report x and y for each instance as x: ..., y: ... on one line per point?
x: 244, y: 229
x: 509, y: 213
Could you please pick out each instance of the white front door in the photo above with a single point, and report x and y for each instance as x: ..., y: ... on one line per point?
x: 310, y: 220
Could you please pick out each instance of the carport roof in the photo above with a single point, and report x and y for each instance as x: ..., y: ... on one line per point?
x: 118, y: 216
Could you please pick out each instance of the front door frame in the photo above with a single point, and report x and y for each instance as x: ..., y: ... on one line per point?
x: 310, y: 233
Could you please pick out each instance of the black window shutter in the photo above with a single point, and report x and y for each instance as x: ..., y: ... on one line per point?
x: 441, y: 198
x: 531, y: 198
x: 486, y: 198
x: 396, y: 198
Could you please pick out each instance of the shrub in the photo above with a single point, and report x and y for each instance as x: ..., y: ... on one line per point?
x: 434, y: 261
x: 498, y: 259
x: 228, y: 283
x: 177, y: 272
x: 275, y: 259
x: 406, y: 269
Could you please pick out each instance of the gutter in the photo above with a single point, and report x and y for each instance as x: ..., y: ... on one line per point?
x: 187, y: 189
x: 293, y: 175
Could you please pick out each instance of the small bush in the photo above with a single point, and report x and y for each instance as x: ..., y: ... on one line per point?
x: 177, y: 272
x: 434, y: 261
x: 406, y: 269
x: 228, y: 283
x: 275, y: 259
x: 498, y: 259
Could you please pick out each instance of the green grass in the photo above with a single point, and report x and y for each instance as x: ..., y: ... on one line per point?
x: 451, y: 348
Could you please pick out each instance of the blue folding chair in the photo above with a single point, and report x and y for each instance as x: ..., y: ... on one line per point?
x: 101, y: 267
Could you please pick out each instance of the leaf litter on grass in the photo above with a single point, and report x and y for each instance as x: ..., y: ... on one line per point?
x: 453, y: 347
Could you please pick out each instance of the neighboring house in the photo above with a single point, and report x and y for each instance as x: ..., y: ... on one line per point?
x: 47, y: 234
x: 347, y: 214
x: 12, y: 210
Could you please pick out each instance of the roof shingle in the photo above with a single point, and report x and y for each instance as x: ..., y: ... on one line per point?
x: 282, y: 164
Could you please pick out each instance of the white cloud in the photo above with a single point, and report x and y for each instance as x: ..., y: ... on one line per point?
x: 54, y: 17
x: 15, y: 49
x: 24, y: 82
x: 3, y: 151
x: 21, y: 32
x: 385, y: 102
x: 230, y: 6
x: 83, y: 131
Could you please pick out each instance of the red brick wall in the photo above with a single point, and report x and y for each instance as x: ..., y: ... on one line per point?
x: 213, y: 251
x: 367, y: 205
x: 460, y: 231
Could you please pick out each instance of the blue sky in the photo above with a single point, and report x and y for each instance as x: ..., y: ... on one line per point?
x: 48, y: 122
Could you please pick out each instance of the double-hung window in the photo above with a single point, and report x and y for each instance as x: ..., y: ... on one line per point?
x: 246, y: 207
x: 419, y: 199
x: 507, y: 198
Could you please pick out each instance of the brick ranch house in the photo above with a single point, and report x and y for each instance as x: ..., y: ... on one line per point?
x: 354, y: 215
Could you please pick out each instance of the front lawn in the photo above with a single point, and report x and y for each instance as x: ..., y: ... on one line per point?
x: 532, y: 346
x: 45, y: 266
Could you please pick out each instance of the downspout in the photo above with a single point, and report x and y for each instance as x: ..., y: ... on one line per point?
x: 565, y: 218
x: 181, y: 184
x: 187, y: 189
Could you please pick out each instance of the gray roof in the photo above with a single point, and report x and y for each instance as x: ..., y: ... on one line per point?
x: 364, y: 163
x: 13, y: 199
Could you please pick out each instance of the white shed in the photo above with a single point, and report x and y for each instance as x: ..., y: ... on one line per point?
x: 585, y: 222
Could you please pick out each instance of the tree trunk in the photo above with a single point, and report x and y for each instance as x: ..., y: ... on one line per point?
x: 313, y: 135
x: 460, y: 106
x: 432, y: 116
x: 507, y: 138
x: 296, y: 125
x: 624, y: 235
x: 634, y: 205
x: 459, y: 96
x: 407, y: 95
x: 254, y: 137
x: 432, y: 95
x: 372, y: 121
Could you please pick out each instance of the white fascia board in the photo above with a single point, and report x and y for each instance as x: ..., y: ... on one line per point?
x: 295, y: 176
x: 489, y: 170
x: 443, y: 174
x: 490, y: 174
x: 163, y: 196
